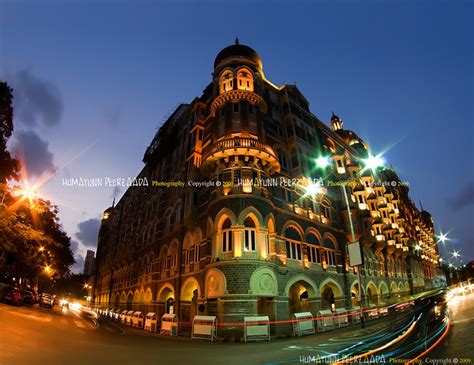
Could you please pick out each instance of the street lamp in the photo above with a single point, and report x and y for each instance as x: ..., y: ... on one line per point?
x: 372, y: 162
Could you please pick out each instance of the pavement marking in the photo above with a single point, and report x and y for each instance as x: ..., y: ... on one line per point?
x: 31, y: 316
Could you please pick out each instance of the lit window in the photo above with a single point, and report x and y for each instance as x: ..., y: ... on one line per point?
x: 227, y: 245
x: 226, y: 82
x: 244, y: 80
x: 250, y: 235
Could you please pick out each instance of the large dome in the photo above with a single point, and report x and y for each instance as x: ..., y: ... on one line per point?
x: 238, y: 51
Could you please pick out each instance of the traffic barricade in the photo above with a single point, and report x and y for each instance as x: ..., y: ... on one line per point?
x: 372, y: 313
x: 137, y: 319
x: 117, y: 315
x: 355, y: 315
x: 325, y: 320
x: 169, y: 324
x: 303, y: 324
x: 122, y: 316
x: 342, y: 319
x: 204, y: 328
x: 128, y: 318
x: 256, y: 328
x: 151, y: 322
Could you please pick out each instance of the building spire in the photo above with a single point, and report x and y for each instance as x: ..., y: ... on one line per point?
x: 113, y: 203
x: 237, y: 41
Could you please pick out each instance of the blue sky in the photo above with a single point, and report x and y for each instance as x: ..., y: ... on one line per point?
x: 94, y: 80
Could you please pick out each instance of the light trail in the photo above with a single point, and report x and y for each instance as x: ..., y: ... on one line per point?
x: 438, y: 341
x: 387, y: 345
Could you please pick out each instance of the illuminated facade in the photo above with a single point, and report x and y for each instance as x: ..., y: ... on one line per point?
x: 247, y: 233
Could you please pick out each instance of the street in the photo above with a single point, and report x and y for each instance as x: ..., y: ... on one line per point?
x: 32, y: 335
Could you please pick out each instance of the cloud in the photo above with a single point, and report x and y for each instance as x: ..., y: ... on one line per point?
x: 463, y: 198
x: 33, y: 152
x: 88, y: 232
x: 35, y: 100
x: 78, y: 267
x: 74, y: 246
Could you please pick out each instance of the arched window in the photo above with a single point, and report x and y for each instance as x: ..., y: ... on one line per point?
x: 250, y: 235
x: 244, y: 80
x: 325, y: 209
x: 330, y: 252
x: 226, y: 82
x: 293, y: 244
x: 227, y: 244
x: 314, y: 254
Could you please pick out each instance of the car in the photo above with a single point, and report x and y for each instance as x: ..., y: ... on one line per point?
x: 29, y: 297
x: 12, y: 295
x: 46, y: 300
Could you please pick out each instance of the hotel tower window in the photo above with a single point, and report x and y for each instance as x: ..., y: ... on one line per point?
x: 227, y: 245
x: 250, y: 235
x: 244, y: 80
x: 226, y: 82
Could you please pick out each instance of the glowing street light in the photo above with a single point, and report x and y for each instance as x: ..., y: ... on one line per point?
x: 41, y: 249
x: 312, y: 188
x: 373, y: 162
x: 417, y: 247
x: 48, y: 270
x: 443, y: 238
x: 323, y: 161
x: 455, y: 254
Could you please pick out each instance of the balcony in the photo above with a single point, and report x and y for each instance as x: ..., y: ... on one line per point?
x: 230, y: 147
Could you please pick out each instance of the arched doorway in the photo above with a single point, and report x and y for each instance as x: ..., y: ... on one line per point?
x: 355, y: 295
x: 189, y: 299
x: 330, y: 294
x: 300, y: 292
x: 166, y: 300
x: 129, y: 301
x: 372, y: 294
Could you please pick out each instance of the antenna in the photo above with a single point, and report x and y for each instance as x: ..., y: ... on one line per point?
x: 421, y: 206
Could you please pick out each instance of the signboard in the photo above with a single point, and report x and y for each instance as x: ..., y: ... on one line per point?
x: 355, y: 254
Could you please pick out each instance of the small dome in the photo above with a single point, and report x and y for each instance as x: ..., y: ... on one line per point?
x: 334, y: 117
x: 238, y: 51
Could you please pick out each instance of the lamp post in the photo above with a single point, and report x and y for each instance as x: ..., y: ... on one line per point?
x: 372, y: 163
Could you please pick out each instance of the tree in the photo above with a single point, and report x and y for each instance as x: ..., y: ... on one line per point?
x: 9, y: 166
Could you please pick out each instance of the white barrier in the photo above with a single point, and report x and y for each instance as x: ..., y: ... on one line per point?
x: 151, y: 322
x: 122, y: 316
x: 325, y: 320
x: 342, y: 319
x: 303, y: 324
x: 373, y: 312
x: 137, y: 319
x: 169, y: 324
x: 256, y: 328
x: 128, y: 318
x: 355, y: 315
x: 204, y: 328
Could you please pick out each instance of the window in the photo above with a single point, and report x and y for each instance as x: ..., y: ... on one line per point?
x: 325, y: 209
x: 226, y: 82
x: 267, y: 244
x: 250, y: 108
x: 174, y: 261
x: 314, y: 254
x: 227, y: 245
x: 330, y: 252
x: 199, y: 134
x: 236, y: 107
x: 244, y: 80
x: 293, y: 244
x: 250, y: 235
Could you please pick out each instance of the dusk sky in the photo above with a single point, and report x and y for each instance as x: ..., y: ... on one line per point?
x: 94, y: 80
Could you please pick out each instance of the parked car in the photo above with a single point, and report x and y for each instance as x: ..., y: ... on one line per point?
x: 29, y: 297
x: 12, y: 295
x: 46, y: 300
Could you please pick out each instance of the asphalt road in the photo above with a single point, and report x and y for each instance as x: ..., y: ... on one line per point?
x: 32, y: 335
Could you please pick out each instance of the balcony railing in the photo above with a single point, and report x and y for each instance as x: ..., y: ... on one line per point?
x: 238, y: 142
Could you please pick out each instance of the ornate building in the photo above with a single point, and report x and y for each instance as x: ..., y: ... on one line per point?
x: 234, y: 222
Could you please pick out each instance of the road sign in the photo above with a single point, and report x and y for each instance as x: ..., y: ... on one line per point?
x: 355, y: 254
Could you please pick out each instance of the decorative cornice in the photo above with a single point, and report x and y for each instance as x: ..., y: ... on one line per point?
x: 238, y: 95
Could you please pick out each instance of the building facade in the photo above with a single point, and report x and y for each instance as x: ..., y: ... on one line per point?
x: 89, y: 263
x: 239, y: 219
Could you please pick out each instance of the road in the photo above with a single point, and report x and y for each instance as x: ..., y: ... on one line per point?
x: 32, y: 335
